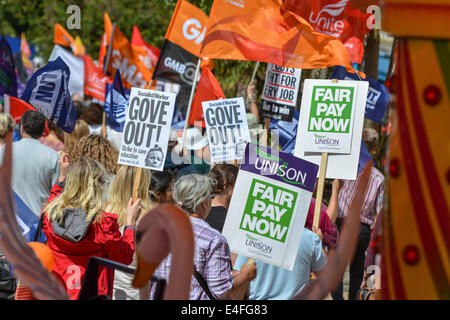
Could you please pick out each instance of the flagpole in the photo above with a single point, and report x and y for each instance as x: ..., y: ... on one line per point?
x: 105, y: 67
x: 253, y: 75
x: 191, y: 97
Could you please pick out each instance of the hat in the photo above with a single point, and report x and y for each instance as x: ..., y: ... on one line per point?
x: 194, y: 140
x: 254, y: 126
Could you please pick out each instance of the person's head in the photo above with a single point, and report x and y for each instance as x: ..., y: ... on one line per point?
x: 97, y: 147
x: 32, y: 124
x: 84, y: 186
x: 93, y: 114
x: 6, y: 125
x: 154, y: 157
x: 225, y: 177
x: 70, y: 140
x: 370, y: 138
x: 121, y: 190
x: 57, y: 131
x: 193, y: 193
x: 161, y: 186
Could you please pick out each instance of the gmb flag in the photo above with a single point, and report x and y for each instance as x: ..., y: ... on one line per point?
x: 377, y: 97
x: 116, y: 103
x: 48, y: 91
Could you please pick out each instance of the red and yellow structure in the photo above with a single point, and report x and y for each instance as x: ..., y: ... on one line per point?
x: 415, y: 244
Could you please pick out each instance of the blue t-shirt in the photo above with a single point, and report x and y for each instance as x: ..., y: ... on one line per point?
x: 274, y: 283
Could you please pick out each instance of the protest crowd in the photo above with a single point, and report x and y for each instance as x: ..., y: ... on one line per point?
x: 90, y: 164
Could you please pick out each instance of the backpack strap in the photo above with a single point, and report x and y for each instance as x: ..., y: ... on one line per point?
x: 203, y: 284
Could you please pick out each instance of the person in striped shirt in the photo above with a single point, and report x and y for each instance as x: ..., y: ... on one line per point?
x: 373, y: 203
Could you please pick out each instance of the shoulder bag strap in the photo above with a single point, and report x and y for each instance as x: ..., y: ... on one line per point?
x: 203, y: 284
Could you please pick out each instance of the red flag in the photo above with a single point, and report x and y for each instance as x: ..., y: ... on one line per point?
x: 337, y: 18
x: 17, y: 107
x: 137, y: 40
x: 208, y: 89
x: 94, y: 80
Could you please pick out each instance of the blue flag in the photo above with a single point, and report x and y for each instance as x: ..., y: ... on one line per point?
x: 8, y: 79
x: 287, y: 131
x: 377, y: 96
x: 27, y: 220
x: 116, y: 103
x: 48, y: 91
x: 364, y: 156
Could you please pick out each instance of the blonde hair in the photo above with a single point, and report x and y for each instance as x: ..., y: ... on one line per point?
x: 97, y: 147
x: 6, y: 124
x: 121, y: 189
x: 83, y: 189
x: 70, y: 140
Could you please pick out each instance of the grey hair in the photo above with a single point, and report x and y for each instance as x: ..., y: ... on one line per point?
x: 370, y: 137
x: 191, y: 190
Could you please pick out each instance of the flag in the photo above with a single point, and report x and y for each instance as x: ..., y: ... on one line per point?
x: 337, y: 18
x: 8, y: 79
x: 137, y: 40
x: 48, y: 91
x: 27, y: 220
x: 208, y: 89
x: 116, y: 103
x: 259, y: 30
x: 130, y: 61
x: 76, y: 66
x: 377, y: 97
x: 62, y: 37
x: 94, y: 79
x: 106, y: 37
x: 26, y: 52
x: 16, y: 107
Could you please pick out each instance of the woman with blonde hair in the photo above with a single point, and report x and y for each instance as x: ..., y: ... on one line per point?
x: 77, y: 227
x: 6, y: 125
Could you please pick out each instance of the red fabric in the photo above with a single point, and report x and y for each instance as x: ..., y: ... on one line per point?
x: 136, y: 39
x: 94, y: 80
x: 330, y: 233
x: 103, y: 239
x: 17, y: 107
x: 208, y: 89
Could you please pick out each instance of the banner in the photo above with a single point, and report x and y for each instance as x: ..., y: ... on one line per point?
x: 377, y: 97
x: 268, y: 209
x: 227, y: 128
x: 8, y: 79
x: 280, y: 91
x: 337, y: 18
x: 187, y: 27
x: 76, y: 67
x: 147, y: 129
x: 331, y: 120
x: 62, y: 37
x: 116, y: 103
x: 208, y: 89
x: 152, y: 52
x: 258, y: 30
x: 48, y: 91
x: 130, y: 60
x: 94, y: 80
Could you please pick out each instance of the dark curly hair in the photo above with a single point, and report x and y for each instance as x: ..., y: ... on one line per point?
x: 224, y: 174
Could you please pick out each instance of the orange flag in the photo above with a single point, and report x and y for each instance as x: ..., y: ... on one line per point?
x: 187, y: 27
x: 94, y: 80
x: 62, y: 37
x: 137, y: 40
x: 208, y: 89
x: 131, y: 60
x: 105, y: 40
x: 258, y: 30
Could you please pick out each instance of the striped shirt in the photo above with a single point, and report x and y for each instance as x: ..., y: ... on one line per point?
x: 211, y: 259
x: 373, y: 201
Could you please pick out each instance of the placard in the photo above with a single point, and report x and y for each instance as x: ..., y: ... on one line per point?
x: 280, y: 92
x: 227, y: 128
x: 147, y: 129
x: 269, y: 206
x: 340, y: 166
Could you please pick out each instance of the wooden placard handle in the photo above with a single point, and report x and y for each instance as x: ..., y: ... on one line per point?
x: 137, y: 180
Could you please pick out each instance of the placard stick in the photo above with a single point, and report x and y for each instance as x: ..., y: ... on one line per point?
x: 320, y: 184
x: 137, y: 180
x: 191, y: 97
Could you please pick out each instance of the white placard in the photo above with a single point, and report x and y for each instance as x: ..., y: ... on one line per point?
x: 340, y: 166
x: 147, y: 129
x: 227, y: 128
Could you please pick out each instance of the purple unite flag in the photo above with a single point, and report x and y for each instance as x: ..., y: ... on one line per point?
x: 8, y: 79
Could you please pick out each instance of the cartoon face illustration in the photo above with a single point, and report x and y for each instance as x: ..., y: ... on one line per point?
x: 154, y: 157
